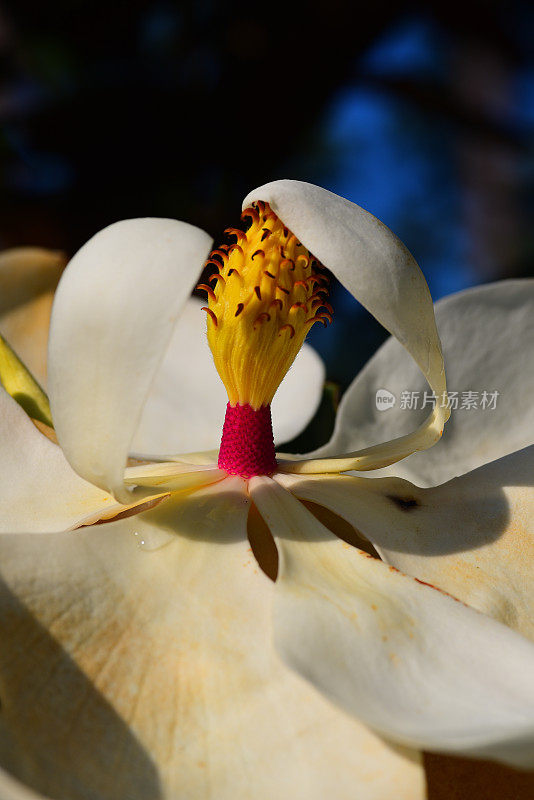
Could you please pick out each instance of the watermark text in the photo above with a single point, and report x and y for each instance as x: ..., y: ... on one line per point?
x: 485, y: 400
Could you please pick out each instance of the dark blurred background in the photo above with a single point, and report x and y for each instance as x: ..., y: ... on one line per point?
x: 420, y: 112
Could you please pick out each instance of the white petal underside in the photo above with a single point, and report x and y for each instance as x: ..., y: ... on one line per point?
x: 126, y: 673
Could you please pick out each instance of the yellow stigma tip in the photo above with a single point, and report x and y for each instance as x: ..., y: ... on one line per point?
x: 262, y: 305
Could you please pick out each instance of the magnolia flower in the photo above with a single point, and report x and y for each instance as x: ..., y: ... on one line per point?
x: 128, y: 673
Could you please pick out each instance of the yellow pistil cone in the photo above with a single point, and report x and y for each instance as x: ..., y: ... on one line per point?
x: 265, y: 296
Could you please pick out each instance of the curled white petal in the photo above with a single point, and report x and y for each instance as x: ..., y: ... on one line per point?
x: 380, y: 272
x: 113, y: 316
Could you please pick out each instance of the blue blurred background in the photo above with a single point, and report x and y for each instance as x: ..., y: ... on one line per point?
x: 421, y: 112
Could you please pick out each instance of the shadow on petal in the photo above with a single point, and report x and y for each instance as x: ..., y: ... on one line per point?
x: 396, y: 516
x: 58, y: 734
x: 464, y: 514
x: 204, y: 515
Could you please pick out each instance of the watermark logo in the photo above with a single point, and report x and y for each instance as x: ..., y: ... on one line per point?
x: 384, y: 399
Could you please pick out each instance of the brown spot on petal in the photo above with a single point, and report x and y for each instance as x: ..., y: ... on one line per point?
x: 404, y: 503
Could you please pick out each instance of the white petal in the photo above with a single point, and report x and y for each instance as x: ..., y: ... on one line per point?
x: 39, y: 491
x: 138, y: 674
x: 412, y: 662
x: 113, y: 316
x: 28, y: 278
x: 26, y: 329
x: 187, y: 400
x: 27, y: 272
x: 379, y: 271
x: 488, y: 343
x: 472, y: 537
x: 173, y: 475
x: 298, y: 396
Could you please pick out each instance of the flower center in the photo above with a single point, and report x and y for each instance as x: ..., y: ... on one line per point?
x: 263, y: 298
